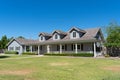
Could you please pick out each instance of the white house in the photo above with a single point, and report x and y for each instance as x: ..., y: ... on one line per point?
x: 74, y: 41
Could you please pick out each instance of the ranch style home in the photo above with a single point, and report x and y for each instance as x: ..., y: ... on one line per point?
x: 74, y: 41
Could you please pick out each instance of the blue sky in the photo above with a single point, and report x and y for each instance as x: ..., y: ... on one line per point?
x: 29, y: 17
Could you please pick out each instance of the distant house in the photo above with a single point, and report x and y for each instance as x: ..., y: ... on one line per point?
x: 74, y: 41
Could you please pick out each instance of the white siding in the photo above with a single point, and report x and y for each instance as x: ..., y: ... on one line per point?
x: 14, y: 44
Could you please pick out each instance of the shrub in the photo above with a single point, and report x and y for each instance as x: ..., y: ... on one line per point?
x: 71, y: 54
x: 113, y: 51
x: 106, y: 55
x: 11, y: 52
x: 29, y: 53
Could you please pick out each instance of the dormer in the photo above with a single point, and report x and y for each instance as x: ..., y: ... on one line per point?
x: 57, y: 35
x: 44, y: 36
x: 76, y: 33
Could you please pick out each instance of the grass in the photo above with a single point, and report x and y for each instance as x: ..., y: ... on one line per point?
x: 58, y: 68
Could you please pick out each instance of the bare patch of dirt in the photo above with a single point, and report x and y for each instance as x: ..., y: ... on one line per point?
x: 59, y: 64
x: 16, y: 72
x: 112, y: 68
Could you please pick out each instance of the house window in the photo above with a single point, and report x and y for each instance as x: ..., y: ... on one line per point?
x: 40, y: 47
x: 81, y: 47
x: 41, y: 38
x: 65, y: 47
x: 58, y: 47
x: 11, y: 48
x: 56, y: 36
x: 74, y: 34
x: 78, y: 46
x: 17, y: 48
x: 73, y: 47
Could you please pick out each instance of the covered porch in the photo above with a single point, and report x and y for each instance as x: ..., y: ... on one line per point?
x: 77, y: 48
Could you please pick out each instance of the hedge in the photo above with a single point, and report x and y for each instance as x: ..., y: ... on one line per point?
x: 11, y: 52
x: 71, y: 54
x: 29, y: 53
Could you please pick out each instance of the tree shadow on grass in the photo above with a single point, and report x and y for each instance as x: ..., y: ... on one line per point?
x: 1, y: 57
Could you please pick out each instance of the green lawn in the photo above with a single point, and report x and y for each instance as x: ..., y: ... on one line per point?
x: 58, y: 68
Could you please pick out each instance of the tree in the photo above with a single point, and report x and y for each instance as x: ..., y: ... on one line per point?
x: 113, y: 39
x: 0, y: 45
x: 4, y: 41
x: 21, y: 37
x: 9, y: 39
x: 113, y: 33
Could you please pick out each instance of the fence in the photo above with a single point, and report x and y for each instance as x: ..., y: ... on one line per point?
x: 113, y: 51
x: 2, y: 51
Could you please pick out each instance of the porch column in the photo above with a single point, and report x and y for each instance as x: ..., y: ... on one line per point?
x: 25, y: 49
x: 95, y: 50
x: 60, y: 48
x: 31, y: 49
x: 38, y: 49
x: 76, y: 49
x: 48, y: 48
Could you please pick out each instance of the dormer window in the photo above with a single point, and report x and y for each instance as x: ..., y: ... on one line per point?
x: 41, y: 38
x: 56, y: 36
x: 74, y: 34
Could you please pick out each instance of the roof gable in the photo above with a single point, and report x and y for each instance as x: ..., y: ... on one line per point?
x: 77, y: 29
x: 59, y: 32
x: 91, y: 32
x: 45, y: 34
x: 24, y: 41
x: 12, y: 41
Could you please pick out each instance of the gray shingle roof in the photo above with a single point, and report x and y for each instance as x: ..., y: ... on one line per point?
x: 26, y: 41
x: 91, y: 33
x: 45, y: 34
x: 59, y: 32
x: 78, y: 29
x: 88, y: 35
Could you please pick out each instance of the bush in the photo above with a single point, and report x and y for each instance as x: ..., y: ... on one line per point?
x: 71, y: 54
x: 106, y: 55
x: 29, y: 53
x: 113, y: 51
x: 11, y: 52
